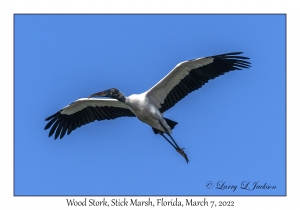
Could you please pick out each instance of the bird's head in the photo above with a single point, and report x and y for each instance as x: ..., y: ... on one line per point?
x: 111, y: 93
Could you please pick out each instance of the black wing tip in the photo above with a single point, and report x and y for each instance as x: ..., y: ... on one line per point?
x: 235, y: 56
x: 54, y: 115
x: 230, y: 54
x: 49, y: 118
x: 55, y: 137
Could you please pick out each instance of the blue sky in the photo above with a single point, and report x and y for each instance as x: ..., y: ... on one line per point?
x: 233, y: 128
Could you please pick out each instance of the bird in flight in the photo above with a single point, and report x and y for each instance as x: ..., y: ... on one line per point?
x: 149, y: 106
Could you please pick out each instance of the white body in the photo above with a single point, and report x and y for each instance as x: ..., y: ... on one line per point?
x: 146, y: 105
x: 146, y: 111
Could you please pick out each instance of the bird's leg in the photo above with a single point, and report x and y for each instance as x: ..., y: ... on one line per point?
x: 162, y: 134
x: 177, y: 148
x: 167, y: 132
x: 180, y: 151
x: 172, y: 139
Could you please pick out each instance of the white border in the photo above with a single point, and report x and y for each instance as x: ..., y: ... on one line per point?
x: 9, y: 8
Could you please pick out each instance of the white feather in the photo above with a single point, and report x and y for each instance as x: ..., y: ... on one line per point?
x: 82, y: 103
x: 160, y: 90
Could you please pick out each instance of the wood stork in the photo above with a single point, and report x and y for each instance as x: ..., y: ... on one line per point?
x: 149, y: 106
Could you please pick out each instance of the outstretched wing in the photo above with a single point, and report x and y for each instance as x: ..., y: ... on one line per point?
x: 191, y: 75
x: 84, y: 111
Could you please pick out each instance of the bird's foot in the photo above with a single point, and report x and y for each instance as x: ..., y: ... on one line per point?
x: 180, y: 151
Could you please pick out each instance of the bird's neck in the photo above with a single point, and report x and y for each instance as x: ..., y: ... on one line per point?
x: 120, y: 97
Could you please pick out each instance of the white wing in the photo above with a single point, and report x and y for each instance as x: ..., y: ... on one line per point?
x: 191, y: 75
x: 84, y: 111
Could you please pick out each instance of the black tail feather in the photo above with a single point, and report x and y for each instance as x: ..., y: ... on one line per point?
x: 171, y: 123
